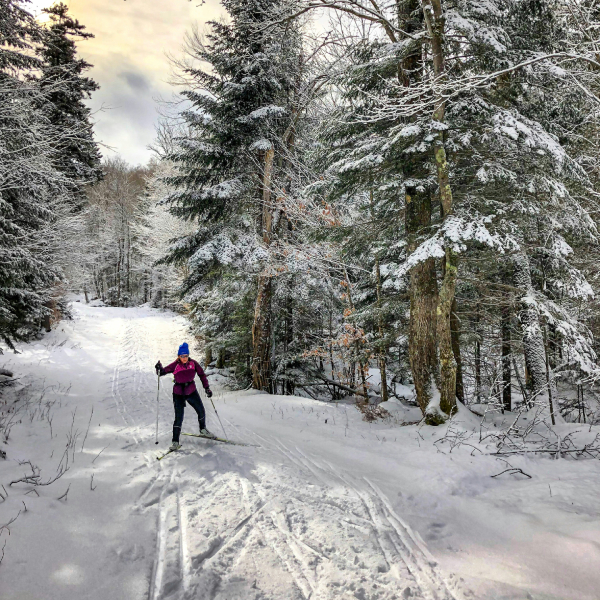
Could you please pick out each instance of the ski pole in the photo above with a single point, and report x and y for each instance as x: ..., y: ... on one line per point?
x: 157, y: 400
x: 218, y: 417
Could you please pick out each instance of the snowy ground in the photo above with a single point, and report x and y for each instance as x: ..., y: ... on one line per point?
x: 321, y: 505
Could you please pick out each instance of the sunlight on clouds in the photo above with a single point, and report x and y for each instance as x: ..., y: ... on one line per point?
x: 130, y: 58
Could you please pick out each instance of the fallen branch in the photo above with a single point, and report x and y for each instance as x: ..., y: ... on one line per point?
x: 342, y: 386
x: 512, y: 471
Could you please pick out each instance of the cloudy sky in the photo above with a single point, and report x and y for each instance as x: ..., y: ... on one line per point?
x: 131, y: 64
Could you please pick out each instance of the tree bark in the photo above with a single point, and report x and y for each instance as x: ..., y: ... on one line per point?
x: 423, y: 301
x: 221, y: 359
x: 434, y: 19
x: 261, y: 328
x: 506, y: 354
x: 455, y: 326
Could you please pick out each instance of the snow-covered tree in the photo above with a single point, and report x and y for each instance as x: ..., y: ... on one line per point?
x: 65, y: 88
x: 459, y: 112
x: 233, y: 168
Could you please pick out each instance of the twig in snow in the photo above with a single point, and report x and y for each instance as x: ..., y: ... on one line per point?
x: 99, y: 453
x: 87, y: 430
x: 92, y: 486
x: 512, y: 471
x: 65, y: 494
x: 7, y: 525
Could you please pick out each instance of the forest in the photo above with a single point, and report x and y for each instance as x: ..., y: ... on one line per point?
x: 350, y: 198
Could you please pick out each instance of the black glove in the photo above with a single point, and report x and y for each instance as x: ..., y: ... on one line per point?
x: 158, y: 367
x: 208, y: 393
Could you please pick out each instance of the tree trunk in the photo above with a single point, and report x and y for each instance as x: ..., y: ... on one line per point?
x: 362, y: 367
x: 455, y: 326
x: 506, y: 354
x: 289, y: 332
x: 208, y: 356
x: 381, y: 351
x: 261, y: 336
x: 552, y: 395
x: 261, y: 328
x: 221, y: 359
x: 434, y: 19
x: 423, y: 301
x: 533, y: 343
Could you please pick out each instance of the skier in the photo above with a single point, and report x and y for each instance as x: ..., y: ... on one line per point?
x: 184, y: 370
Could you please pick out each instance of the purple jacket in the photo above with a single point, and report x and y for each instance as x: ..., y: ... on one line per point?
x: 184, y: 376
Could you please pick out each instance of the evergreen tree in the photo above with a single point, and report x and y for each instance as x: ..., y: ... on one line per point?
x: 26, y: 180
x: 36, y: 197
x: 65, y: 89
x: 233, y: 168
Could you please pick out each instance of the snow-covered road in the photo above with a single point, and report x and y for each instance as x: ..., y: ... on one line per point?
x: 318, y: 505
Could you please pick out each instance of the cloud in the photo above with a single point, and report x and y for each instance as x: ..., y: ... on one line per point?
x: 137, y: 81
x: 129, y: 54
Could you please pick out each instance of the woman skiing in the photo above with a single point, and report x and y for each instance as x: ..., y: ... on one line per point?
x: 184, y: 370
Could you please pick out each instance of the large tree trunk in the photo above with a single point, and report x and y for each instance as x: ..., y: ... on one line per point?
x: 261, y: 328
x: 422, y: 348
x: 434, y: 19
x: 423, y: 301
x: 533, y: 343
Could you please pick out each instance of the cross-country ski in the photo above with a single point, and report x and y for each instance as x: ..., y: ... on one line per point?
x: 218, y: 439
x: 299, y: 300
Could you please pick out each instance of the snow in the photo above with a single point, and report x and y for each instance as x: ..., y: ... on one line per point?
x: 261, y: 145
x: 532, y: 134
x: 267, y: 111
x: 322, y: 505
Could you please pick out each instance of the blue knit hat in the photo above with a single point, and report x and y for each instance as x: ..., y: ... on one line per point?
x: 183, y: 349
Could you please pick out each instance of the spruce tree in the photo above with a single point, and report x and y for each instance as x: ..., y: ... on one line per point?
x: 232, y: 167
x: 65, y: 89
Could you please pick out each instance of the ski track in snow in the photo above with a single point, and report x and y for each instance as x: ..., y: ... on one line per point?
x: 271, y: 522
x: 224, y: 537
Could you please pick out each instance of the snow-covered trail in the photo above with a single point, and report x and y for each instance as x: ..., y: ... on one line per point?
x: 214, y: 521
x: 317, y: 506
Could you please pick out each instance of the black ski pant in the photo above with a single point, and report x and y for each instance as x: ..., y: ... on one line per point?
x: 179, y: 403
